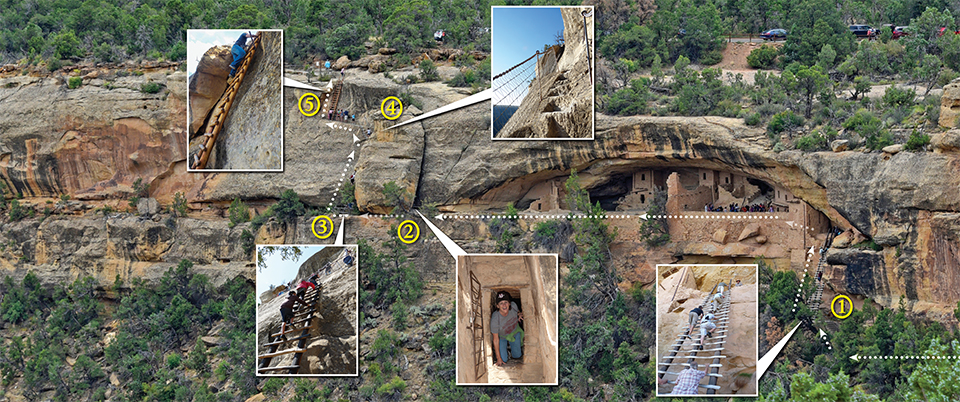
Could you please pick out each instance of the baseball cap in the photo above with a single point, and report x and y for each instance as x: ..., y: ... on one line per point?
x: 503, y: 295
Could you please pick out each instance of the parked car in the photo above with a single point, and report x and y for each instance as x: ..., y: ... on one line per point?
x: 774, y: 34
x: 863, y: 31
x: 899, y: 32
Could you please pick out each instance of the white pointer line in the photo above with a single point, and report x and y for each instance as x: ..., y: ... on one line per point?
x: 452, y: 247
x: 475, y: 98
x: 768, y: 358
x: 297, y: 84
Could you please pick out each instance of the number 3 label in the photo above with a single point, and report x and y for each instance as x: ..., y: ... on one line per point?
x: 325, y: 226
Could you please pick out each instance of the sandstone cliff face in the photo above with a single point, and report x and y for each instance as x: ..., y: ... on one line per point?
x: 251, y: 137
x: 96, y: 141
x: 92, y: 142
x: 62, y: 249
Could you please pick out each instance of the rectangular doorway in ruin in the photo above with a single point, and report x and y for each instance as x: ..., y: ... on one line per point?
x: 707, y: 315
x: 320, y: 337
x: 528, y: 282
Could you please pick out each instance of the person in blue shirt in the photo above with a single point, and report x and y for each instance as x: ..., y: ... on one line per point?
x: 239, y: 51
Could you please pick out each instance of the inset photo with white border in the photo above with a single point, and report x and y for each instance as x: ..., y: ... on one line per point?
x: 507, y: 324
x: 542, y: 62
x: 307, y: 310
x: 235, y: 100
x: 707, y: 328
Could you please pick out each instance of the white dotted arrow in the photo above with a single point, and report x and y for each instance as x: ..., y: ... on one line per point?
x: 806, y: 265
x: 857, y: 357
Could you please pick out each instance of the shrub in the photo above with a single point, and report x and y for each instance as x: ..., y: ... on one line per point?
x: 428, y: 71
x: 898, y: 97
x: 74, y: 82
x: 139, y: 191
x: 408, y: 99
x: 814, y: 141
x: 783, y: 121
x: 551, y: 234
x: 753, y: 119
x: 763, y: 57
x: 179, y: 204
x: 726, y: 108
x: 272, y: 385
x: 247, y: 242
x: 150, y: 87
x: 239, y: 212
x: 630, y: 100
x: 17, y: 211
x: 289, y: 208
x: 917, y: 141
x: 870, y: 128
x: 53, y: 64
x: 399, y: 312
x: 711, y: 58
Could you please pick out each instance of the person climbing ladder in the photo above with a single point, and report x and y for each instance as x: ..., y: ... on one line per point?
x: 239, y: 51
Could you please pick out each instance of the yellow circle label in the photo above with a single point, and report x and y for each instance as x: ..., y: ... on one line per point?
x: 312, y: 103
x: 391, y: 107
x: 408, y: 231
x: 845, y: 307
x: 326, y: 227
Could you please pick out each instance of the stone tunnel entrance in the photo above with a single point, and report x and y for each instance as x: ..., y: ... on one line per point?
x: 531, y: 281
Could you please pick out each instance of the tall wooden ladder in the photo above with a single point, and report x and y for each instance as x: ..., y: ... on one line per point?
x: 219, y: 115
x: 687, y: 347
x: 304, y: 315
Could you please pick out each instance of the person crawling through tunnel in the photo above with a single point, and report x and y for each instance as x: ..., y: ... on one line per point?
x: 503, y: 325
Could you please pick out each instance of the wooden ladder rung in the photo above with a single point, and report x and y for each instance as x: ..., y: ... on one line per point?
x: 285, y: 341
x: 292, y: 330
x: 281, y: 353
x: 278, y: 368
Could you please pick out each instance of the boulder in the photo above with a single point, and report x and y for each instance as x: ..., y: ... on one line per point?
x: 148, y: 207
x: 843, y: 240
x: 386, y: 51
x: 749, y: 231
x: 761, y: 239
x: 948, y: 142
x: 839, y: 145
x: 893, y: 149
x: 208, y: 83
x: 342, y: 62
x: 210, y: 341
x: 257, y: 398
x: 720, y: 236
x: 950, y: 104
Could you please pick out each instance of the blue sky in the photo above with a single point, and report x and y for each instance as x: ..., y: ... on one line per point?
x: 518, y: 32
x: 198, y: 41
x: 279, y: 271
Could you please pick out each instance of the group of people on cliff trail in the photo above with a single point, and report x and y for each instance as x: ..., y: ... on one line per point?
x: 340, y: 115
x: 739, y: 208
x: 688, y: 380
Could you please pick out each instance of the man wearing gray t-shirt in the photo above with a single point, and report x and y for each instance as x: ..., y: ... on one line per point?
x: 505, y: 328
